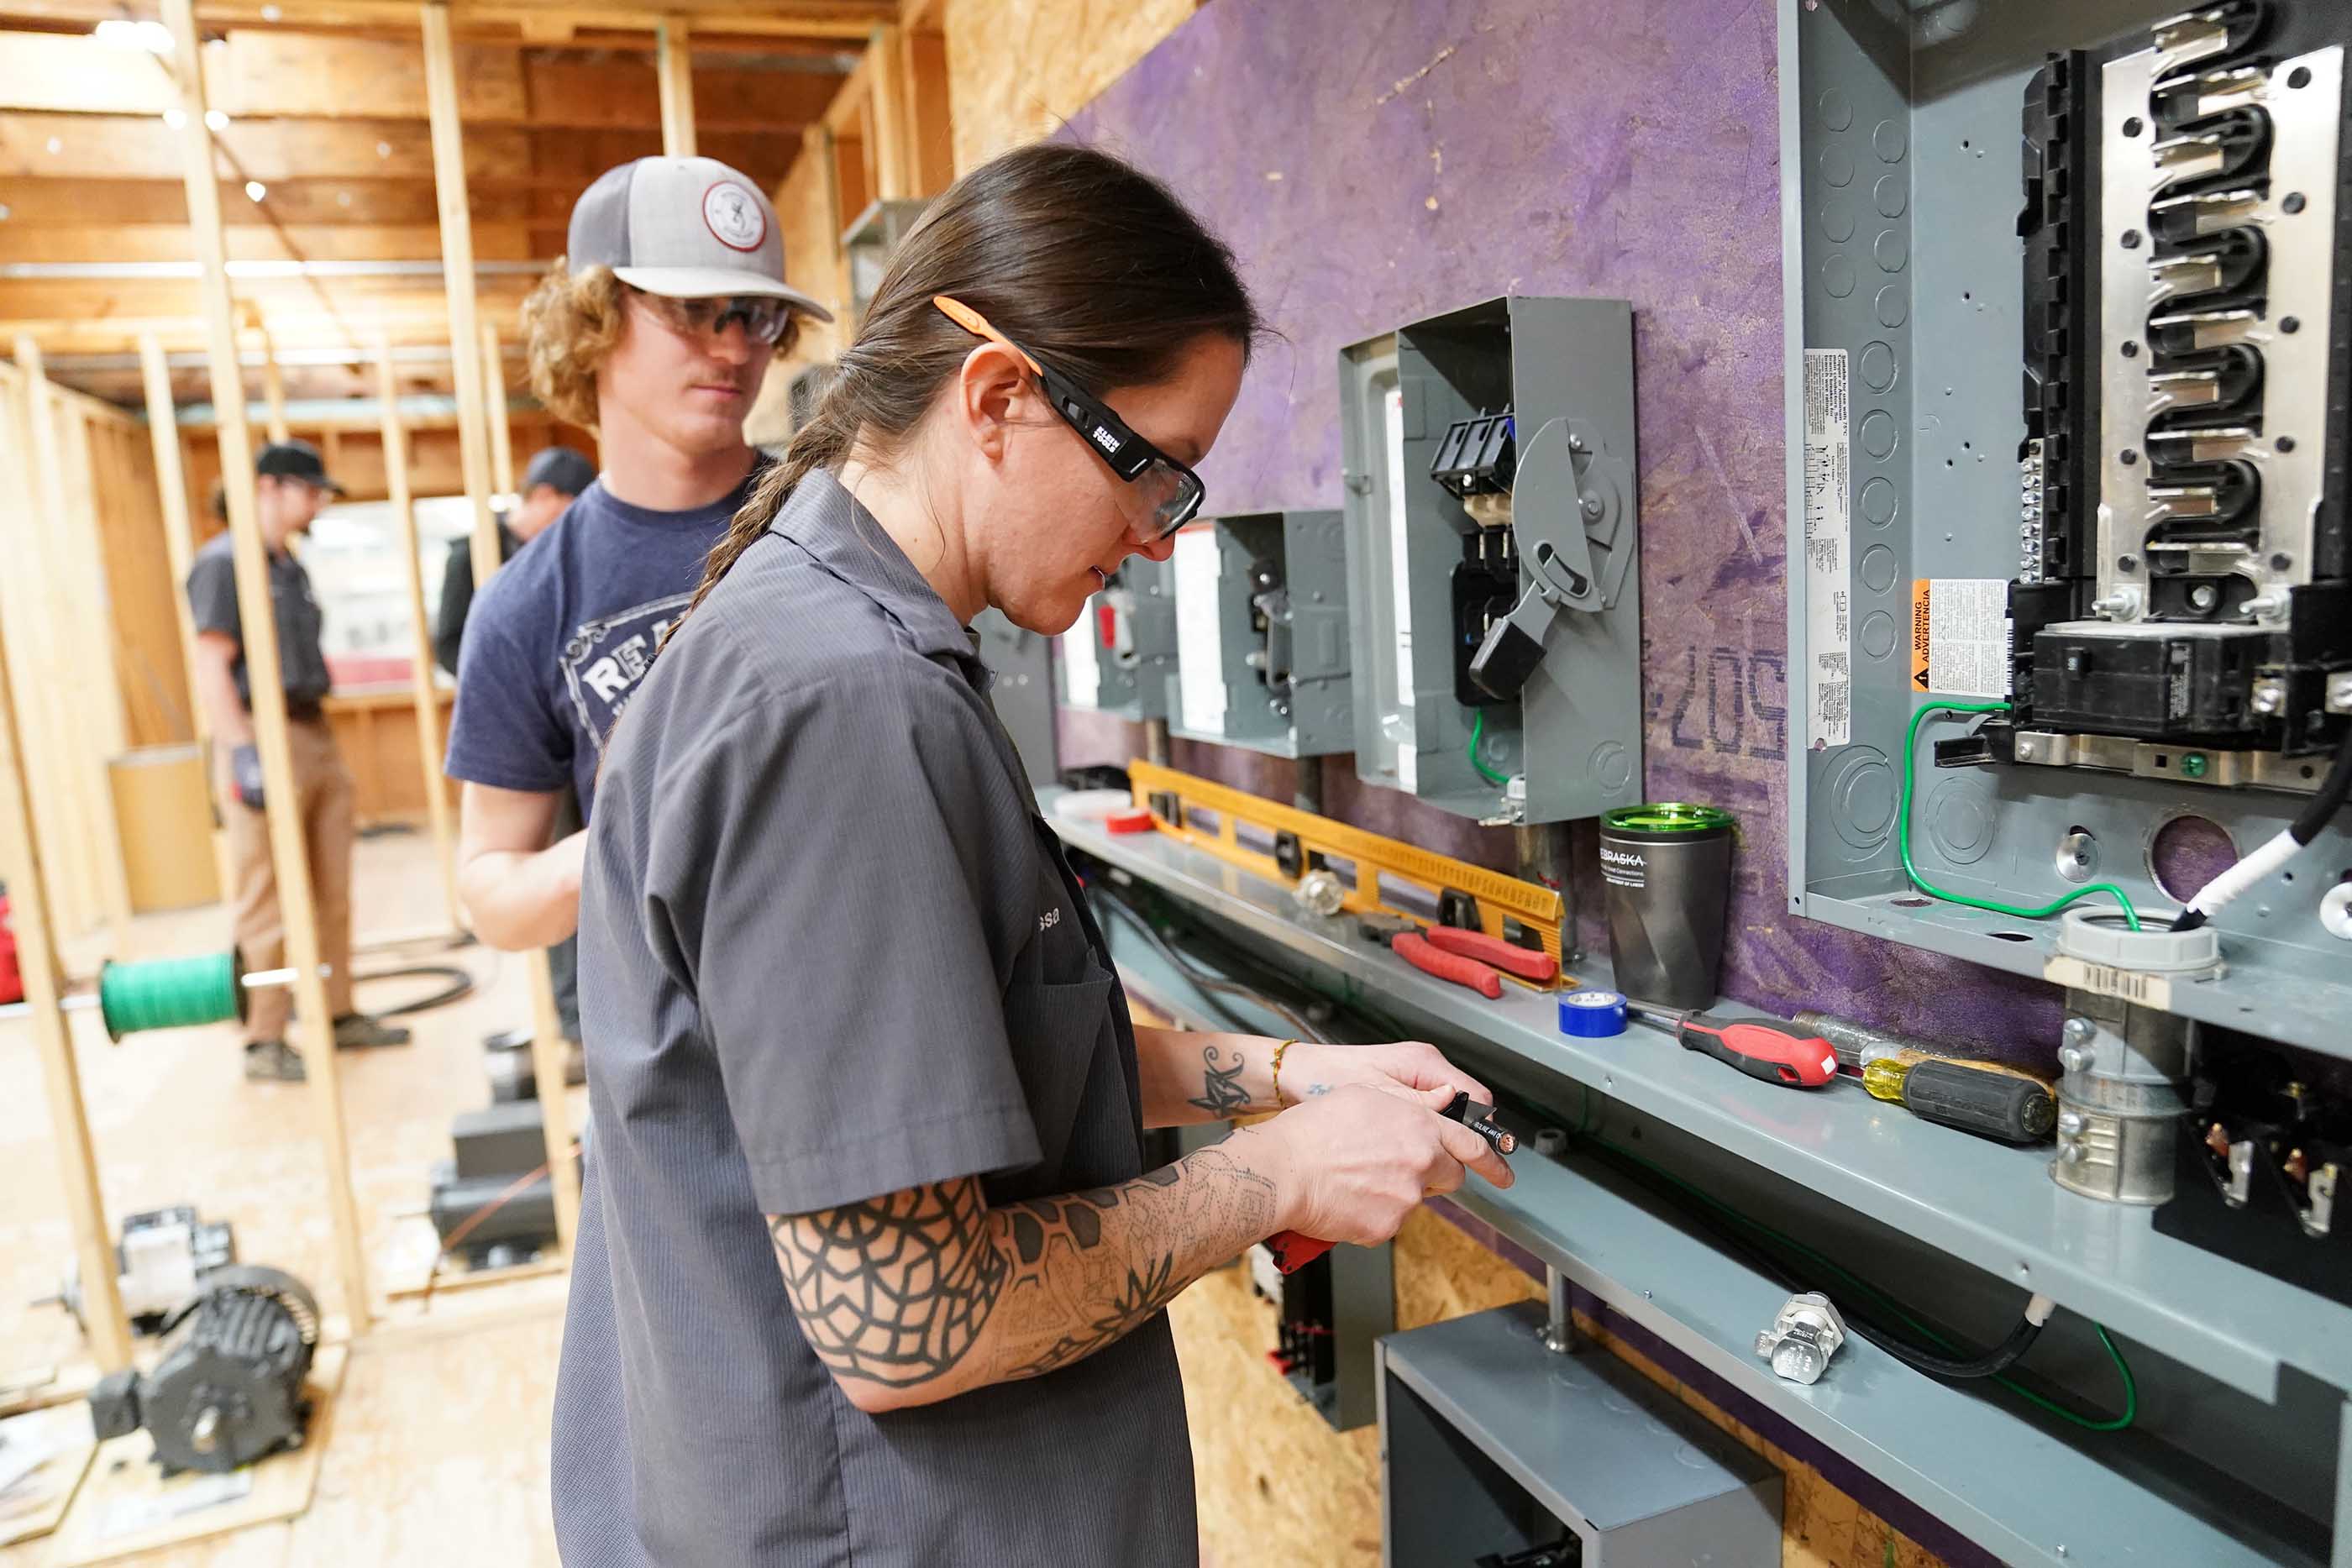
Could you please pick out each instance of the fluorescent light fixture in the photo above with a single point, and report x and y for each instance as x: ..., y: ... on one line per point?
x: 122, y: 33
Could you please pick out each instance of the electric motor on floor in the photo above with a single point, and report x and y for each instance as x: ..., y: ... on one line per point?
x: 229, y: 1388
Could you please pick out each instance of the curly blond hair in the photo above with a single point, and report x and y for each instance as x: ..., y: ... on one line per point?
x: 571, y: 324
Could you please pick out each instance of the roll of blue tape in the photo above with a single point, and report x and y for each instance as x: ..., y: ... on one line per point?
x: 1592, y: 1015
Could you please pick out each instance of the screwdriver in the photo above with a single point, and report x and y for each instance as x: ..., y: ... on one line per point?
x: 1293, y: 1251
x: 1986, y: 1098
x: 1768, y: 1048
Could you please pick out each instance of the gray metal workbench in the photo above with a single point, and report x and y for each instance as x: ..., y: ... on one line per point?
x: 2024, y: 1491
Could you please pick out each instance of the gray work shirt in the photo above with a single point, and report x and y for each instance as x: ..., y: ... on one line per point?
x: 301, y: 660
x: 827, y: 952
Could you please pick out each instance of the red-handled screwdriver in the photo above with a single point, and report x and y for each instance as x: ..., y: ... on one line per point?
x: 1761, y: 1048
x: 1293, y: 1251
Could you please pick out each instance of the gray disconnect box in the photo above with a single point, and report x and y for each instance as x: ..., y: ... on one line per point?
x: 1492, y: 1445
x: 1121, y: 656
x: 1262, y: 645
x: 1493, y: 518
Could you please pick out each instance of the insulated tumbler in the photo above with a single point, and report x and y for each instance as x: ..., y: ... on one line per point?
x: 1667, y: 867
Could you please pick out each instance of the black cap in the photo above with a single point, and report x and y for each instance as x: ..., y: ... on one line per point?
x: 295, y: 460
x: 567, y: 471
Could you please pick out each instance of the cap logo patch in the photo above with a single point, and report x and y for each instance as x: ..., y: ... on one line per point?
x: 734, y: 217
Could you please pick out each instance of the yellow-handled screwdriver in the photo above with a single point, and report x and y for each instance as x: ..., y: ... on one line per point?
x: 1980, y: 1097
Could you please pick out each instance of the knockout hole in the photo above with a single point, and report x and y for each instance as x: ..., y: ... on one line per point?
x: 2133, y: 126
x: 2298, y: 78
x: 2012, y: 935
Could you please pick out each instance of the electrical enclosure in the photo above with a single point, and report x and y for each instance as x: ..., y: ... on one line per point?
x: 1020, y: 663
x: 1492, y: 516
x: 2089, y: 461
x: 1121, y: 657
x: 1263, y: 656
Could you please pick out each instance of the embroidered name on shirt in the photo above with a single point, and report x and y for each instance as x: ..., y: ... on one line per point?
x: 1048, y: 920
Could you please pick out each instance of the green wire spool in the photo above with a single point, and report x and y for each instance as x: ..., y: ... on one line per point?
x: 170, y: 993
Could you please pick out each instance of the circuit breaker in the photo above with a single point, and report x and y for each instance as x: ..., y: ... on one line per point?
x: 1493, y: 523
x: 1262, y: 647
x: 1120, y: 656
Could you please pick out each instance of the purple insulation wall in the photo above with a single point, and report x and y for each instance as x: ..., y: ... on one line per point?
x: 1376, y: 160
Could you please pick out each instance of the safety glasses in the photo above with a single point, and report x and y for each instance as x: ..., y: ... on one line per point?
x: 1167, y: 495
x: 765, y: 319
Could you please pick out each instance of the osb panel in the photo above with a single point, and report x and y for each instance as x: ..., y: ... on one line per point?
x: 1017, y: 69
x: 1277, y: 1485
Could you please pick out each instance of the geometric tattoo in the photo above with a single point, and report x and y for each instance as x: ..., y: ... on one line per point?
x: 898, y: 1289
x: 1222, y: 1094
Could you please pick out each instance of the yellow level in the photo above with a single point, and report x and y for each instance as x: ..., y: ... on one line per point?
x: 1531, y: 904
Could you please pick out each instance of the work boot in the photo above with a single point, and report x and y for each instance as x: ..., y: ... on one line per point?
x: 357, y: 1032
x: 273, y: 1061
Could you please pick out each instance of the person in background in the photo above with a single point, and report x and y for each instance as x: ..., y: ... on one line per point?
x: 551, y: 481
x: 654, y: 329
x: 290, y: 488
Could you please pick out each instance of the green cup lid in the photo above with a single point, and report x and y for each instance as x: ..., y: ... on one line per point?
x: 1665, y: 817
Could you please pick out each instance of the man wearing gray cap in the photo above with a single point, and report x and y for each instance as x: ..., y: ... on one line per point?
x: 553, y: 479
x: 655, y: 330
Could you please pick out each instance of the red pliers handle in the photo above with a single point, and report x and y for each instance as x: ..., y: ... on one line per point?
x: 1430, y: 959
x: 1526, y: 962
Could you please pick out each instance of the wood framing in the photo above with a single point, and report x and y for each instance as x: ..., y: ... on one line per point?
x: 273, y: 391
x: 312, y: 1023
x: 420, y: 645
x: 28, y: 916
x: 458, y: 276
x: 674, y: 68
x: 494, y: 407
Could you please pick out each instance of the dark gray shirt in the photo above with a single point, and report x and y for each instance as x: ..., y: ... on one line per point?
x: 828, y: 951
x: 301, y: 661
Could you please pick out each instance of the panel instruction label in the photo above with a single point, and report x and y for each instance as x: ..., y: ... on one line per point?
x: 1200, y: 640
x: 1829, y: 562
x: 1081, y: 669
x: 1400, y: 579
x: 1959, y: 637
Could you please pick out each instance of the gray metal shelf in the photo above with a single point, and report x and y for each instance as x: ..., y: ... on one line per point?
x: 1991, y: 1205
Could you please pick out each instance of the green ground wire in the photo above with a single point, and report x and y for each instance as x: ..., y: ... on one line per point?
x: 2123, y: 1368
x: 1478, y: 728
x: 1902, y: 833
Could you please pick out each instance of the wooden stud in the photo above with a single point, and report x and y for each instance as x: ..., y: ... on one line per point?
x: 457, y: 269
x: 494, y: 406
x: 28, y: 916
x: 457, y: 264
x: 273, y: 391
x: 288, y: 852
x: 889, y: 115
x: 674, y: 66
x: 428, y: 703
x: 93, y: 702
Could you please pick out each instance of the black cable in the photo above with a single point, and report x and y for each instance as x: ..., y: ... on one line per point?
x: 2308, y: 824
x: 1203, y: 978
x: 461, y: 985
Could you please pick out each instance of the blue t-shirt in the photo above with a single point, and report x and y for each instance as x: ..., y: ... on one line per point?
x: 564, y: 633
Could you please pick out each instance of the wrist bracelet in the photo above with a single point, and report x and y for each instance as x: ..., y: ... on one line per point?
x: 1276, y: 1082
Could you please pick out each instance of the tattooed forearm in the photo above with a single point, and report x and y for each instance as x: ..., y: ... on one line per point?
x: 924, y: 1293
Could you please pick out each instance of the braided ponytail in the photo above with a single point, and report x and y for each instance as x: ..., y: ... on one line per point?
x: 822, y: 443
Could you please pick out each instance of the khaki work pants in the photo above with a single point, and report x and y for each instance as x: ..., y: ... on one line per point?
x: 322, y: 790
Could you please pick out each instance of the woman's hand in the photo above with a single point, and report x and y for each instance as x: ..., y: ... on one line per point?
x: 1356, y: 1161
x: 1310, y: 1070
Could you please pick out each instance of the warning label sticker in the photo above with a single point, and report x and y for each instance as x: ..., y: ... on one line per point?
x: 1829, y: 565
x: 1959, y: 637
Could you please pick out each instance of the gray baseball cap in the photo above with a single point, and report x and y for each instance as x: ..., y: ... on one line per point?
x: 690, y: 228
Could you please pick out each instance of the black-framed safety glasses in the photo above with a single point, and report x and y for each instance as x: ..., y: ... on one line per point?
x: 766, y: 319
x: 1169, y: 493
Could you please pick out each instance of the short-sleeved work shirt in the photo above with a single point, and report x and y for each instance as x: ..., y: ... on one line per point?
x: 301, y: 628
x: 828, y: 951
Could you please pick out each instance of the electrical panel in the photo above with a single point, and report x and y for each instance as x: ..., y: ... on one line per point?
x: 1120, y: 656
x: 1021, y: 690
x: 1262, y: 650
x: 2069, y: 362
x: 1492, y: 519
